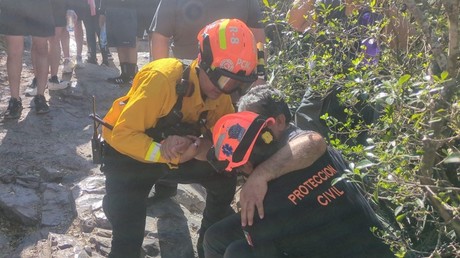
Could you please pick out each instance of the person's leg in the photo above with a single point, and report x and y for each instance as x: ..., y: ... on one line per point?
x: 106, y: 56
x: 40, y: 47
x: 15, y: 49
x: 89, y: 22
x: 220, y: 235
x: 59, y: 9
x: 78, y: 30
x: 102, y: 45
x: 128, y: 183
x: 68, y: 64
x: 220, y: 190
x: 128, y: 65
x: 164, y: 190
x: 32, y: 87
x: 241, y: 249
x: 65, y: 40
x: 121, y: 24
x: 54, y: 55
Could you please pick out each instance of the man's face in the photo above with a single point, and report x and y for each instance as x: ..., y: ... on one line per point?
x: 207, y: 87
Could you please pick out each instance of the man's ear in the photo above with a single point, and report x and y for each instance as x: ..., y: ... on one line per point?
x: 280, y: 120
x: 278, y: 126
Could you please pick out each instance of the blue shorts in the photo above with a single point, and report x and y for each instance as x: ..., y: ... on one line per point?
x: 26, y: 17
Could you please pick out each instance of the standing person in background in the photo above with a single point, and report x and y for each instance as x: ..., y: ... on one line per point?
x: 125, y: 22
x: 93, y: 30
x: 59, y: 41
x: 55, y: 43
x: 178, y: 22
x: 19, y: 19
x: 105, y: 51
x: 88, y: 12
x: 75, y: 14
x: 67, y: 65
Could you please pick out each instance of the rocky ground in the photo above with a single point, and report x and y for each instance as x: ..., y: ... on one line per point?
x: 51, y: 192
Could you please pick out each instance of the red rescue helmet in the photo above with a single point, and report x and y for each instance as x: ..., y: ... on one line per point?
x: 235, y: 138
x: 228, y: 54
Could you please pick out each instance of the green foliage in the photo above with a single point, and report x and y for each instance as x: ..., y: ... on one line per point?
x: 405, y: 87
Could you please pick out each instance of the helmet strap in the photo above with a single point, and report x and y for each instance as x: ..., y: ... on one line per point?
x: 206, y: 54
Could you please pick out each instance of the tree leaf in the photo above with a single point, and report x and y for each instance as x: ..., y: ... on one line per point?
x: 398, y: 210
x: 403, y: 79
x: 266, y: 3
x: 444, y: 75
x: 453, y: 158
x: 401, y: 217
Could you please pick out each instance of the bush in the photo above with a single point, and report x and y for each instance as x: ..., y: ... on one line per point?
x: 410, y: 164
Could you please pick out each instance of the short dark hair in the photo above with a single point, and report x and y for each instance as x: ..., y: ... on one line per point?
x: 265, y: 100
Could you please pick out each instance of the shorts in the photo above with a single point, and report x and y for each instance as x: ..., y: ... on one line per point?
x: 80, y: 7
x: 59, y: 13
x: 26, y: 17
x: 121, y: 27
x: 145, y: 13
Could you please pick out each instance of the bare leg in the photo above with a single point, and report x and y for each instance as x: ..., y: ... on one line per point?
x: 128, y: 65
x: 65, y: 41
x: 79, y: 37
x: 15, y: 48
x: 40, y: 47
x: 127, y: 54
x: 54, y: 56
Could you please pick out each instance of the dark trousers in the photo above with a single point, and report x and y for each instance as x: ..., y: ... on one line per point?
x: 128, y: 183
x: 92, y: 29
x: 226, y: 239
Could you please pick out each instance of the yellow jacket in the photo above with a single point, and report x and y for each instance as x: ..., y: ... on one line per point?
x: 151, y: 97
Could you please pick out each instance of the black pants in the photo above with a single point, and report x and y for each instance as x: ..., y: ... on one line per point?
x: 92, y: 30
x: 128, y: 183
x: 226, y: 239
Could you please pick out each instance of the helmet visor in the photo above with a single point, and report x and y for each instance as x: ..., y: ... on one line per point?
x: 228, y: 85
x: 228, y: 82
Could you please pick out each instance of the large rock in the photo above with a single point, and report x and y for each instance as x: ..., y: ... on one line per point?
x: 20, y: 203
x: 4, y: 242
x: 88, y: 195
x: 58, y: 206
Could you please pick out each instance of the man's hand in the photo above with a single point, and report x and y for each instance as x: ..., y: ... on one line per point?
x: 173, y: 146
x: 192, y: 149
x: 251, y: 197
x: 299, y: 153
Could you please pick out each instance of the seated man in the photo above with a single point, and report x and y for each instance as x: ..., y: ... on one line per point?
x: 303, y: 213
